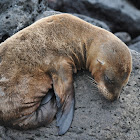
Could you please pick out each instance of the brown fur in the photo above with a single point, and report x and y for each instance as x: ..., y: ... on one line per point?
x: 48, y: 52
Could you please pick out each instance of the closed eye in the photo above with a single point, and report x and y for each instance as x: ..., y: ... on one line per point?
x: 110, y: 81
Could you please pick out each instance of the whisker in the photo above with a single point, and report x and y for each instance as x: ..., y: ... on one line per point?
x: 91, y: 79
x: 96, y: 85
x: 93, y: 82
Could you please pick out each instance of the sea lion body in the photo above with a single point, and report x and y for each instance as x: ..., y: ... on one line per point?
x: 47, y: 53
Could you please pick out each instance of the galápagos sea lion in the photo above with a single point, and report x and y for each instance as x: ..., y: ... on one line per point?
x: 48, y: 53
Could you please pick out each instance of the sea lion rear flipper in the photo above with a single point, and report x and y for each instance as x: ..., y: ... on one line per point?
x: 48, y: 97
x: 44, y: 114
x: 64, y: 91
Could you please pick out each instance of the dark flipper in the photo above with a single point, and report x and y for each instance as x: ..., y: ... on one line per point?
x: 48, y: 97
x: 64, y: 91
x: 42, y: 116
x: 64, y: 118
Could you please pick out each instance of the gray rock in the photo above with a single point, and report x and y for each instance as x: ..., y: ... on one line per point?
x: 136, y: 3
x: 88, y: 19
x: 46, y: 14
x: 135, y: 46
x: 17, y: 14
x: 125, y: 37
x: 135, y: 40
x: 95, y: 118
x: 93, y: 21
x: 120, y: 15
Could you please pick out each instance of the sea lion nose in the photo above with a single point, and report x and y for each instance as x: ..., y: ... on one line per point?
x: 115, y: 98
x: 116, y: 94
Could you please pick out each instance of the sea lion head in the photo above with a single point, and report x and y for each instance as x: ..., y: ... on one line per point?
x: 111, y: 68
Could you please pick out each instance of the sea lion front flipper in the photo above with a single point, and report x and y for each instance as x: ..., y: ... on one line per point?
x: 64, y: 91
x: 64, y: 117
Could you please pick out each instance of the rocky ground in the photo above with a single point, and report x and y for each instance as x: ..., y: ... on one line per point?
x: 95, y: 118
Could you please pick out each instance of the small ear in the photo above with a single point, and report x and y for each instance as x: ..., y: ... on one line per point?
x: 101, y: 62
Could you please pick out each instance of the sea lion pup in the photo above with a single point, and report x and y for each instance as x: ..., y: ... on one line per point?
x: 48, y: 53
